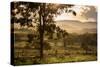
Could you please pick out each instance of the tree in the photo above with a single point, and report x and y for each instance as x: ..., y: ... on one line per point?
x: 88, y: 42
x: 64, y: 34
x: 42, y: 14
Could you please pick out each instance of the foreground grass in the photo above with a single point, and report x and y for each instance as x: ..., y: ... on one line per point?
x: 66, y: 59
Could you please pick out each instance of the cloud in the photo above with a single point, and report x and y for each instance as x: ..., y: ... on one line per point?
x: 91, y: 14
x: 86, y: 13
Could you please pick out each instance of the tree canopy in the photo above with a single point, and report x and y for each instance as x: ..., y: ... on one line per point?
x: 27, y: 12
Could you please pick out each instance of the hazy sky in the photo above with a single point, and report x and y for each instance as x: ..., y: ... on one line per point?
x: 84, y: 14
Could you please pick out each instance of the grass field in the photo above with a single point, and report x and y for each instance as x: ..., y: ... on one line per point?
x: 54, y: 51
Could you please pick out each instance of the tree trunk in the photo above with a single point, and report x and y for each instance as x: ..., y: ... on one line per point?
x: 42, y: 25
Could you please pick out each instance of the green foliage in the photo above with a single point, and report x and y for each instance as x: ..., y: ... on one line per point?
x: 89, y: 42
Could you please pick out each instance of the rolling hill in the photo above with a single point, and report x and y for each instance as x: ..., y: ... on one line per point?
x: 77, y: 26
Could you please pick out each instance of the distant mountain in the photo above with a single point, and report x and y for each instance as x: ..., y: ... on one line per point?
x: 74, y: 21
x: 77, y: 26
x: 94, y: 30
